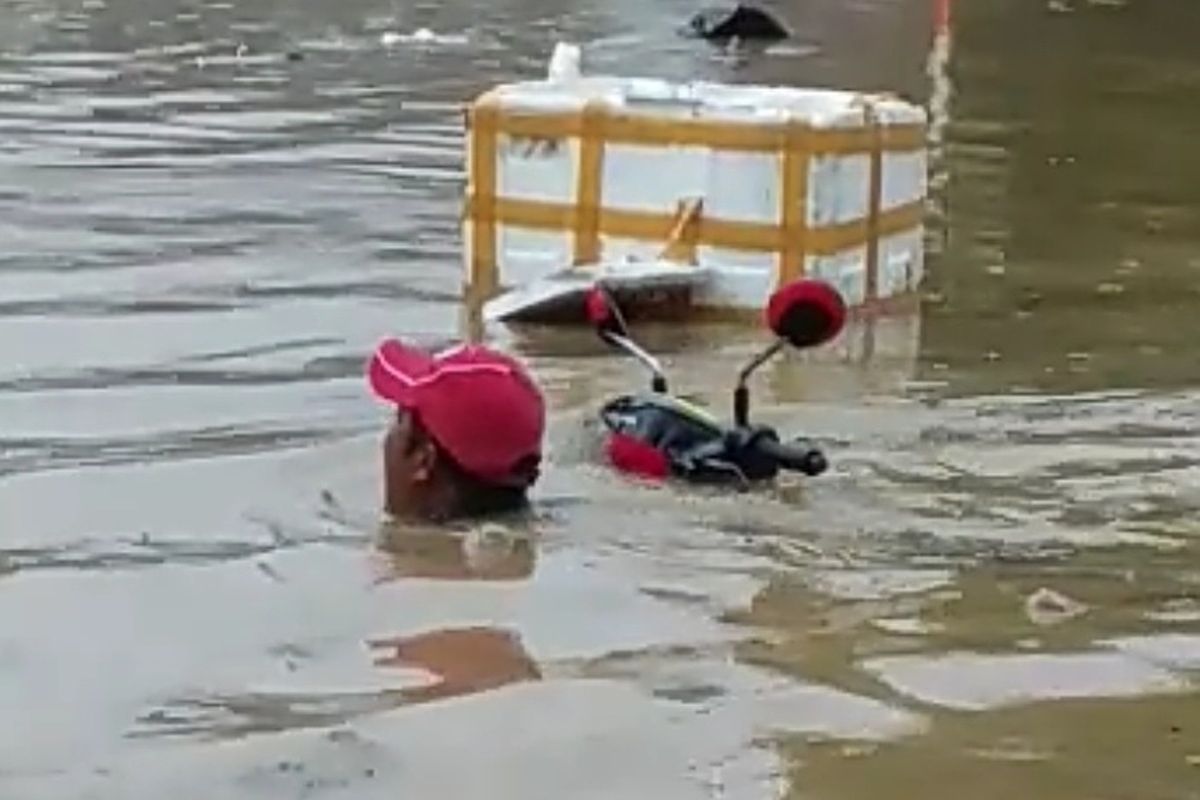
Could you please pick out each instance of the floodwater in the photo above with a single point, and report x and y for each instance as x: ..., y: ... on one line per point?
x: 996, y: 587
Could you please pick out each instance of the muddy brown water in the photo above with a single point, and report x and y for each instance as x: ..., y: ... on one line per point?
x: 995, y: 592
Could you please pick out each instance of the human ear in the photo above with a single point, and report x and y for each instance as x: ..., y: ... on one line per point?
x: 425, y: 462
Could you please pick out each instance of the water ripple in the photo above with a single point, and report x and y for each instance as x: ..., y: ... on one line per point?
x: 211, y: 210
x: 26, y: 455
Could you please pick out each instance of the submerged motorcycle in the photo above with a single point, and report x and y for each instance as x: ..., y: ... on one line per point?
x: 658, y: 435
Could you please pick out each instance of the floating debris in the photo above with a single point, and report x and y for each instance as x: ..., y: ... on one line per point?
x: 741, y: 22
x: 859, y: 750
x: 906, y: 626
x: 1182, y: 610
x: 419, y: 36
x: 564, y: 63
x: 270, y: 572
x: 1048, y: 607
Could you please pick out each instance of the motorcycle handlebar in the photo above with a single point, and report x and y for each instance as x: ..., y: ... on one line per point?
x: 799, y: 456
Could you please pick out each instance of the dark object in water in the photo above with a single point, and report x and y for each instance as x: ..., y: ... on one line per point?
x: 660, y: 436
x: 740, y: 21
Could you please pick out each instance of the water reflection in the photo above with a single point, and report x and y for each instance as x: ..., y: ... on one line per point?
x: 487, y: 553
x: 1070, y: 225
x: 463, y: 660
x: 440, y: 663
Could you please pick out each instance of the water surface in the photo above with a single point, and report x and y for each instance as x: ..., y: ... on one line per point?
x: 210, y: 211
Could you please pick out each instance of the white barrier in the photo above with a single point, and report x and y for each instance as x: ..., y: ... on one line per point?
x: 756, y: 185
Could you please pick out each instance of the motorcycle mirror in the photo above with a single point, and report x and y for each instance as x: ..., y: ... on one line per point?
x: 803, y: 313
x: 807, y: 312
x: 606, y: 317
x: 600, y: 311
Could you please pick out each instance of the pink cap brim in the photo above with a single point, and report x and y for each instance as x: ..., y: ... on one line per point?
x: 396, y: 370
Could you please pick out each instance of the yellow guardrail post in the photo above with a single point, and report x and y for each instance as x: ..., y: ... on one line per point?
x: 483, y: 124
x: 793, y: 200
x: 588, y: 183
x: 874, y: 201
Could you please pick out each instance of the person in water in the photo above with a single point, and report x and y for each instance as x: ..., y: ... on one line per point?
x: 466, y: 438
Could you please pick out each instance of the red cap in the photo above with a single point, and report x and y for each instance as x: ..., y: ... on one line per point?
x: 480, y: 405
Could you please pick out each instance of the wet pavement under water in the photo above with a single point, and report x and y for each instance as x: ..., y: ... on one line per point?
x: 995, y: 591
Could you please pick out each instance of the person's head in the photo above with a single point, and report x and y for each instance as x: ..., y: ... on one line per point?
x: 466, y: 438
